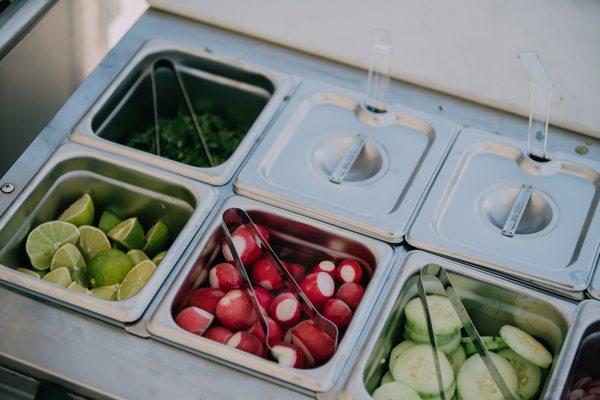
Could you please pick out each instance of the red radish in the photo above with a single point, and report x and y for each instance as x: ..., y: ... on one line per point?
x: 235, y: 310
x: 225, y: 276
x: 275, y: 332
x: 349, y: 271
x: 265, y: 275
x: 286, y: 309
x: 219, y: 334
x: 288, y: 355
x: 337, y: 312
x: 350, y: 293
x: 318, y: 287
x: 194, y: 319
x: 206, y: 298
x: 297, y: 270
x: 317, y: 346
x: 246, y: 342
x: 325, y: 266
x: 263, y: 296
x: 244, y: 244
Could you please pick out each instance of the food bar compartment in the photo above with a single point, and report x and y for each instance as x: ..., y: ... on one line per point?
x: 233, y: 103
x: 361, y: 170
x: 125, y: 189
x: 296, y: 239
x: 490, y: 301
x: 494, y: 206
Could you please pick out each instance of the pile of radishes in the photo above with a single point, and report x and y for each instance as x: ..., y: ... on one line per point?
x: 224, y: 312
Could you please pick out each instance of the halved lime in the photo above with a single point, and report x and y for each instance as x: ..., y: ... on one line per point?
x: 60, y: 276
x: 79, y: 213
x: 29, y: 272
x: 159, y: 257
x: 108, y: 267
x: 108, y: 221
x: 44, y: 240
x: 76, y: 287
x: 128, y: 234
x: 106, y: 292
x: 68, y: 256
x: 136, y: 279
x: 137, y: 256
x: 92, y: 241
x: 156, y: 239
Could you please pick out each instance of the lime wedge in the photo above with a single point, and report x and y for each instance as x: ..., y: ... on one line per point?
x: 92, y: 241
x: 105, y: 292
x: 137, y: 256
x: 60, y: 276
x: 44, y: 240
x: 76, y: 287
x: 108, y: 221
x: 156, y: 239
x: 68, y: 256
x: 29, y: 272
x: 128, y: 234
x: 108, y: 267
x: 136, y: 279
x: 79, y: 213
x: 159, y: 257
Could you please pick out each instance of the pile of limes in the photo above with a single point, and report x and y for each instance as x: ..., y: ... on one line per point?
x: 111, y: 261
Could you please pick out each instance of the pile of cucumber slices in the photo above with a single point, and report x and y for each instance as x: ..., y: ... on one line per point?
x: 520, y: 359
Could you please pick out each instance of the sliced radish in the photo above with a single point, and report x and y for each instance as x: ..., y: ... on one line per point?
x: 350, y: 293
x: 235, y: 310
x: 218, y: 334
x: 285, y: 309
x: 246, y: 342
x: 245, y: 246
x: 288, y: 355
x: 225, y: 276
x: 275, y: 332
x: 325, y: 266
x: 297, y: 270
x: 206, y: 299
x: 194, y: 320
x: 263, y: 296
x: 318, y: 287
x: 265, y: 275
x: 316, y: 345
x: 337, y: 312
x: 349, y: 271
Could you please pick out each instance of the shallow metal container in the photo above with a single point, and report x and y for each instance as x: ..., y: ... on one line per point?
x: 581, y: 354
x: 490, y: 300
x: 289, y: 231
x: 128, y: 189
x: 249, y: 93
x: 385, y: 185
x: 556, y: 244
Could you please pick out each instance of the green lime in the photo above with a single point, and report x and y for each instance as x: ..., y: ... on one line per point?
x: 106, y: 292
x: 44, y: 240
x: 92, y: 241
x: 136, y: 279
x: 137, y: 256
x: 156, y: 239
x: 76, y: 287
x: 79, y: 213
x: 60, y: 276
x: 128, y: 234
x: 108, y: 221
x: 68, y: 256
x: 29, y: 272
x: 159, y: 257
x: 108, y: 267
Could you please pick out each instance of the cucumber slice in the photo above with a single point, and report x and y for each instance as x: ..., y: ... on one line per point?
x: 492, y: 343
x: 526, y: 346
x: 474, y: 382
x: 420, y: 337
x: 448, y: 394
x: 457, y: 358
x: 399, y: 349
x: 395, y: 391
x: 415, y: 367
x: 484, y: 339
x: 443, y: 317
x: 386, y: 378
x: 528, y: 374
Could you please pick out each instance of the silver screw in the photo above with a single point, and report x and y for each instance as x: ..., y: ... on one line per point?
x: 7, y: 188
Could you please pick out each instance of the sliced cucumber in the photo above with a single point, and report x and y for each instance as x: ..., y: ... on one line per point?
x: 443, y: 317
x: 492, y: 343
x: 387, y: 377
x: 415, y: 367
x: 457, y: 358
x: 399, y: 349
x: 420, y: 337
x: 474, y: 382
x: 448, y: 394
x: 526, y: 346
x: 528, y: 374
x: 395, y: 391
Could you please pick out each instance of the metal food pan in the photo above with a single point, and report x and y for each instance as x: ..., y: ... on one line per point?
x: 286, y: 230
x: 248, y: 93
x: 490, y: 300
x: 383, y: 188
x: 124, y: 187
x: 556, y: 243
x: 581, y: 356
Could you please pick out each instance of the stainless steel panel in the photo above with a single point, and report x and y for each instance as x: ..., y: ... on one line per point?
x: 382, y: 190
x: 129, y: 189
x: 490, y: 300
x: 249, y: 93
x: 556, y: 243
x: 289, y: 230
x: 594, y: 288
